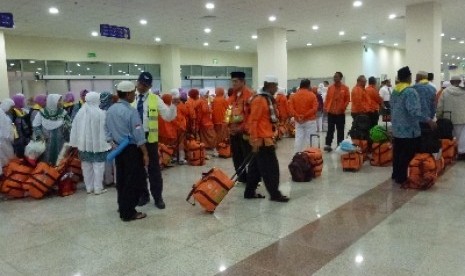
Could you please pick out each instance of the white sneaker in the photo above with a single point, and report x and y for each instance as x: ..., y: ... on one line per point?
x: 100, y: 192
x: 90, y: 191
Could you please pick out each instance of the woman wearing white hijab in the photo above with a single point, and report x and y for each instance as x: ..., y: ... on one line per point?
x: 52, y: 125
x: 6, y: 139
x: 88, y: 136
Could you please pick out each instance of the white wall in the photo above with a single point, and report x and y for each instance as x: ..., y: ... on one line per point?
x: 318, y: 62
x: 378, y: 60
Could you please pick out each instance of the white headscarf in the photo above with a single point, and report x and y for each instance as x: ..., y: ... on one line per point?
x: 7, y: 104
x: 51, y: 108
x: 88, y: 130
x: 6, y: 127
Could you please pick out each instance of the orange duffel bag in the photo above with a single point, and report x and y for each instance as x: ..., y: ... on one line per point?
x: 195, y: 152
x: 363, y: 145
x: 449, y: 150
x: 71, y: 164
x: 211, y: 189
x: 42, y: 179
x: 224, y: 149
x: 381, y: 154
x: 165, y: 155
x: 16, y: 173
x: 352, y: 161
x: 422, y: 172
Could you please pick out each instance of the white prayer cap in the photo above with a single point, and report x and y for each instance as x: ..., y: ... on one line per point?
x: 271, y: 79
x: 456, y: 78
x: 126, y: 86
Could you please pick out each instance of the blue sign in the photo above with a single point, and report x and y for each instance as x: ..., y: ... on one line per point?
x: 6, y: 20
x: 115, y: 31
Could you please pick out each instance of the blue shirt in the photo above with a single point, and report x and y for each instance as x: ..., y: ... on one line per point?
x: 406, y: 113
x: 123, y: 121
x: 427, y: 95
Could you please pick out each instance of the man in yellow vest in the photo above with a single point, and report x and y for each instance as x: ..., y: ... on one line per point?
x: 148, y: 106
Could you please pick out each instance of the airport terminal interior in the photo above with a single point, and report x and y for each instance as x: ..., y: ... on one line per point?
x: 340, y: 223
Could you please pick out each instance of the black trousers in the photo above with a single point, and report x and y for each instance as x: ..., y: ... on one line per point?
x: 374, y: 118
x: 240, y: 149
x: 335, y: 122
x: 154, y: 173
x: 130, y: 179
x: 264, y: 165
x: 404, y: 150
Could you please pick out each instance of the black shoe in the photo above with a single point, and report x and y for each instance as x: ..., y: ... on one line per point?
x: 280, y: 199
x: 254, y: 196
x: 328, y: 148
x: 160, y: 204
x: 143, y: 201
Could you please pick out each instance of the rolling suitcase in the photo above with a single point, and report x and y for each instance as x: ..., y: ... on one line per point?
x: 214, y: 185
x: 300, y: 167
x: 352, y: 161
x: 315, y: 155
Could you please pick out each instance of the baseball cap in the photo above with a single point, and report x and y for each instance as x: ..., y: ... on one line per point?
x: 145, y: 78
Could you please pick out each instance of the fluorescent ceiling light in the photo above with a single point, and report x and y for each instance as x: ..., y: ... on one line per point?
x: 442, y: 34
x: 143, y: 22
x: 210, y: 6
x: 315, y: 27
x: 207, y: 30
x: 342, y: 33
x: 94, y: 33
x: 381, y: 41
x: 12, y: 64
x: 157, y: 39
x: 272, y: 18
x: 357, y: 3
x: 32, y: 61
x: 205, y: 44
x: 364, y: 37
x: 237, y: 47
x: 453, y: 38
x: 396, y: 44
x: 462, y: 41
x: 392, y: 16
x: 309, y: 44
x: 78, y: 64
x: 254, y: 36
x: 39, y: 69
x: 446, y: 55
x: 53, y: 10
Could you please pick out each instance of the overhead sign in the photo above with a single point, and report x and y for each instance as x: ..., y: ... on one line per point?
x: 115, y: 31
x: 91, y: 55
x: 6, y: 20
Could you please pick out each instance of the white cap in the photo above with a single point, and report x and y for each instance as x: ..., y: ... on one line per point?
x: 175, y: 93
x: 271, y: 79
x: 125, y: 86
x: 456, y: 78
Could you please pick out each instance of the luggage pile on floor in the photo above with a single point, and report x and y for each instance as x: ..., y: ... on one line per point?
x: 308, y: 164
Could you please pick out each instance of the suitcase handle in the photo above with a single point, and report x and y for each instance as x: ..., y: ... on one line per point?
x: 311, y: 139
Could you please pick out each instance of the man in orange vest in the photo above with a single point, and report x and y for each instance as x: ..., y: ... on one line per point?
x: 374, y: 101
x: 359, y: 98
x: 264, y: 165
x: 219, y: 107
x: 337, y: 99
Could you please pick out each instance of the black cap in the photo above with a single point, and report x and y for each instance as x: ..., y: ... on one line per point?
x: 403, y: 73
x: 145, y: 78
x: 237, y: 75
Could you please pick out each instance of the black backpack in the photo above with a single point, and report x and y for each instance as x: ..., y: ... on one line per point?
x: 360, y: 128
x: 445, y: 128
x: 300, y: 168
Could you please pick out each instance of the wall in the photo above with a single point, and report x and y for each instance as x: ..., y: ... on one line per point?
x: 379, y: 60
x: 318, y: 62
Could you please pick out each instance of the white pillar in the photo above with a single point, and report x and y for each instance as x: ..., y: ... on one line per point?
x: 272, y: 55
x: 170, y: 67
x: 4, y: 90
x: 423, y: 38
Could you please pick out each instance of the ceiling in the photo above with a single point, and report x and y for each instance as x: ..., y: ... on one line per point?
x: 182, y: 22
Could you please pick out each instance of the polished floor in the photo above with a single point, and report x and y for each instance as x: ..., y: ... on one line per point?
x: 339, y: 224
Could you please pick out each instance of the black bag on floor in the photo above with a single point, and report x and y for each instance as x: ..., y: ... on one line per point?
x: 430, y: 142
x: 360, y: 128
x: 445, y: 127
x: 300, y: 168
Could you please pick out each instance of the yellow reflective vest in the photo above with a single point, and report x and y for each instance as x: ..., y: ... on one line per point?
x: 152, y: 124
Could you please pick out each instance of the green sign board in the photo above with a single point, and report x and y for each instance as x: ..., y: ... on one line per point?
x: 91, y: 55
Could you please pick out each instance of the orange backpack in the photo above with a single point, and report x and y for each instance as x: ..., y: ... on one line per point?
x: 42, y: 179
x: 195, y: 152
x: 165, y: 154
x: 422, y: 172
x: 210, y: 190
x: 381, y: 154
x: 16, y: 173
x: 449, y: 150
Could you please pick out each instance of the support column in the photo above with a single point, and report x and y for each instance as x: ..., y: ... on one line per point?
x: 272, y: 55
x: 170, y: 67
x: 423, y: 38
x: 4, y: 90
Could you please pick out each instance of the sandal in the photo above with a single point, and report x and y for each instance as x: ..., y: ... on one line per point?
x: 254, y: 196
x: 138, y: 215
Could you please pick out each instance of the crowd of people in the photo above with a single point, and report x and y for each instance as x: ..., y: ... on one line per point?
x: 134, y: 120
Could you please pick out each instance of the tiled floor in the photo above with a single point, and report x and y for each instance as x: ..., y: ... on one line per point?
x: 343, y: 223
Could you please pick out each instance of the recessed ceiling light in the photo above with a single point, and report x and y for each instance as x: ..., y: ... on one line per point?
x: 462, y: 41
x: 453, y: 38
x: 237, y: 47
x: 442, y: 34
x: 364, y: 37
x: 272, y: 18
x: 458, y: 57
x: 357, y: 3
x: 205, y: 44
x: 315, y: 27
x: 32, y: 61
x: 210, y: 6
x: 109, y: 65
x: 120, y: 71
x: 88, y: 69
x: 392, y: 16
x: 342, y: 33
x: 94, y: 33
x: 381, y: 41
x: 446, y: 55
x: 53, y: 10
x: 207, y: 30
x: 157, y: 39
x: 396, y: 44
x: 309, y: 44
x: 254, y: 36
x: 143, y: 22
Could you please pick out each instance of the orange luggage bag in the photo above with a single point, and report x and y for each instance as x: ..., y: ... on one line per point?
x: 422, y: 172
x: 440, y: 166
x: 316, y: 157
x: 195, y: 152
x: 381, y: 154
x: 16, y: 173
x: 449, y: 150
x: 224, y: 149
x: 352, y: 161
x: 42, y: 179
x: 165, y: 154
x: 363, y: 145
x: 71, y: 164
